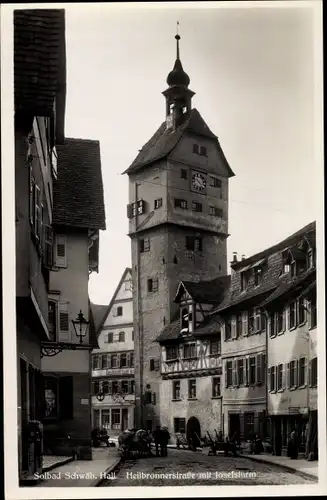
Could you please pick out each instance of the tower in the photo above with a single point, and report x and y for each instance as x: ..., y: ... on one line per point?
x: 178, y: 225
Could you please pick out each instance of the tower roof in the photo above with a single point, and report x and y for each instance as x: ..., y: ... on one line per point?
x: 178, y: 76
x: 164, y: 141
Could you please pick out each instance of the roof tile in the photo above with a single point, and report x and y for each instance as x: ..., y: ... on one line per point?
x: 78, y: 191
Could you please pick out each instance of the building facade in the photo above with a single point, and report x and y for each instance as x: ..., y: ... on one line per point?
x: 269, y: 340
x: 191, y: 364
x: 113, y: 382
x: 178, y: 225
x: 39, y: 128
x: 78, y: 215
x: 292, y: 350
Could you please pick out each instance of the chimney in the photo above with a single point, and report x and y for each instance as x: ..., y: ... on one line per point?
x: 234, y: 258
x: 243, y: 257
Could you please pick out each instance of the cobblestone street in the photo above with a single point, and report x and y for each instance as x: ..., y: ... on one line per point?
x: 200, y: 469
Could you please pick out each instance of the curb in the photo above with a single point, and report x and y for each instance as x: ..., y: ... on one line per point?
x: 57, y: 464
x: 109, y: 470
x: 306, y: 475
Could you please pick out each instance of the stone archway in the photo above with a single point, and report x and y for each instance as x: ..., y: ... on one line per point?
x: 193, y: 431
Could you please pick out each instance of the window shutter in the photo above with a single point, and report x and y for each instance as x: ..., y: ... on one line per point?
x: 128, y: 359
x: 153, y: 398
x: 66, y: 401
x: 263, y: 368
x: 246, y: 366
x: 258, y: 369
x: 297, y: 372
x: 233, y: 327
x: 245, y: 324
x: 310, y: 373
x: 108, y: 361
x: 269, y: 380
x: 157, y: 365
x: 63, y: 330
x: 32, y: 199
x: 283, y: 377
x: 48, y: 246
x: 110, y: 387
x: 288, y: 376
x: 119, y: 385
x: 37, y: 200
x: 226, y: 373
x: 234, y: 373
x: 284, y: 320
x: 306, y: 370
x: 61, y: 251
x: 129, y: 211
x: 118, y: 360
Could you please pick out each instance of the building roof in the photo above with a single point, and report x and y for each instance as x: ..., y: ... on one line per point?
x: 164, y: 141
x: 172, y: 331
x: 98, y: 312
x: 40, y: 64
x: 92, y: 328
x: 289, y: 287
x: 290, y: 241
x: 210, y: 325
x: 78, y: 191
x: 107, y: 309
x: 273, y: 279
x: 205, y: 292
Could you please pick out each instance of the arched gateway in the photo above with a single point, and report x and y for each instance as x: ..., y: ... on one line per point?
x: 193, y: 430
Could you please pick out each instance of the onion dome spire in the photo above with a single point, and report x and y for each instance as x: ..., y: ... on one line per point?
x: 178, y: 76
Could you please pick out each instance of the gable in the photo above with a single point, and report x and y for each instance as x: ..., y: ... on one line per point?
x: 125, y: 290
x: 214, y: 161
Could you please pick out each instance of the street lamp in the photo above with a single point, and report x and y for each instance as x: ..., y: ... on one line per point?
x: 80, y: 325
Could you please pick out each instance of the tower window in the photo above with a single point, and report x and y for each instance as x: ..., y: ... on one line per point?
x: 119, y: 311
x: 194, y: 243
x: 183, y: 173
x: 196, y: 149
x: 214, y: 182
x: 179, y: 203
x: 196, y: 207
x: 216, y: 212
x: 158, y: 203
x: 153, y: 285
x: 144, y: 245
x: 203, y: 151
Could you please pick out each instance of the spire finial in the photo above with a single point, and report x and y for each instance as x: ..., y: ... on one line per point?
x: 177, y: 39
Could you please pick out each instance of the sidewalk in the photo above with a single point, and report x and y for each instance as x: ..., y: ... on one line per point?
x: 83, y: 472
x: 300, y: 465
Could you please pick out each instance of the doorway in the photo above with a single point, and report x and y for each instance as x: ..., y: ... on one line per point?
x: 124, y: 419
x: 234, y: 427
x: 193, y: 431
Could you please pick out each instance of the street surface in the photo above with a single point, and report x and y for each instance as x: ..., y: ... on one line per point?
x: 195, y: 468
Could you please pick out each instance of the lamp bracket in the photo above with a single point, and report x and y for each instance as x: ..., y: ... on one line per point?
x: 50, y: 349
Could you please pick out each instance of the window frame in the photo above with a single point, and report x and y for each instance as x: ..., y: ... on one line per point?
x: 176, y: 390
x: 196, y: 207
x: 180, y: 203
x: 191, y: 386
x: 216, y: 382
x: 157, y: 203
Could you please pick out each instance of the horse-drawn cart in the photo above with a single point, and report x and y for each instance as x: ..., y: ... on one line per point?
x: 135, y: 443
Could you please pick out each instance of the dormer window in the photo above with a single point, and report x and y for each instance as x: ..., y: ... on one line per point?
x: 187, y: 319
x: 245, y: 276
x: 310, y: 259
x: 293, y: 269
x: 184, y: 319
x: 257, y: 275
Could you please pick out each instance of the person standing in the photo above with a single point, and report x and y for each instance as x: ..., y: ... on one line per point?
x: 157, y: 435
x: 165, y: 436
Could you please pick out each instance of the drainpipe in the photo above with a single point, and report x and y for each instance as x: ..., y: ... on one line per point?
x: 266, y: 368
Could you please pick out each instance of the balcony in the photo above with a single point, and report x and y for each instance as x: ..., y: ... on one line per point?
x: 110, y: 400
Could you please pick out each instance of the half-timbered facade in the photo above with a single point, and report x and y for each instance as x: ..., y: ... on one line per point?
x: 191, y: 365
x: 113, y: 383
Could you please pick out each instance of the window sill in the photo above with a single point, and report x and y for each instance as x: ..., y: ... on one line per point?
x: 177, y: 399
x: 280, y: 390
x: 292, y: 328
x: 192, y: 399
x: 312, y: 327
x: 272, y: 392
x: 171, y: 360
x: 216, y: 397
x: 301, y: 324
x: 293, y: 388
x: 214, y: 355
x: 280, y: 333
x: 304, y: 386
x: 190, y: 358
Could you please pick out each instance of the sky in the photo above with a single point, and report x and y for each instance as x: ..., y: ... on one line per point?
x: 253, y: 73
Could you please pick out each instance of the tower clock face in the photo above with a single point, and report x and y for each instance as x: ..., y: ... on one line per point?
x: 198, y: 182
